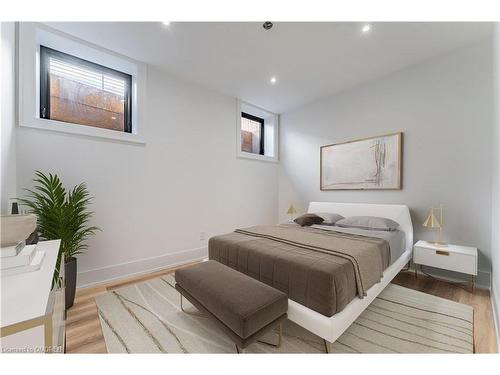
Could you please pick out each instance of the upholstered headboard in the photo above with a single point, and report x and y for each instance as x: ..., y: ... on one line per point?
x: 397, y: 212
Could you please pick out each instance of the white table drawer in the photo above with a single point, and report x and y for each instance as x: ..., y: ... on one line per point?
x: 445, y: 259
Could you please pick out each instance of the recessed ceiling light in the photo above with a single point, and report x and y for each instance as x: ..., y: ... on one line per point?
x: 366, y: 28
x: 113, y: 118
x: 166, y: 23
x: 273, y: 80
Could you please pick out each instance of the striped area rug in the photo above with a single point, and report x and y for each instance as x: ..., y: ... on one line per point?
x: 146, y: 318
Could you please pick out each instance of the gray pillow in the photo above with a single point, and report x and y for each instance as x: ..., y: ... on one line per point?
x: 308, y: 220
x: 368, y: 222
x: 329, y: 218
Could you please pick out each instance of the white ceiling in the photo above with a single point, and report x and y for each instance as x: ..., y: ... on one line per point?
x: 310, y: 60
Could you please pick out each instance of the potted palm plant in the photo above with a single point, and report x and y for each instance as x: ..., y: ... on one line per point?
x: 62, y: 215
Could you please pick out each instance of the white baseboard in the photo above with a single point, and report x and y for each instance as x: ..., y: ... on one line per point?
x: 495, y: 306
x: 119, y: 271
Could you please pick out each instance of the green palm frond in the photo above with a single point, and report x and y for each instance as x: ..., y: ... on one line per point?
x: 61, y: 214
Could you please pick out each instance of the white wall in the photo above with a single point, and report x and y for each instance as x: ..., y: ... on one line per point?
x: 495, y: 219
x: 8, y: 115
x: 444, y: 108
x: 153, y: 201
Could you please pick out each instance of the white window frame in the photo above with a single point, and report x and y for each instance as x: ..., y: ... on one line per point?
x: 31, y: 36
x: 248, y: 155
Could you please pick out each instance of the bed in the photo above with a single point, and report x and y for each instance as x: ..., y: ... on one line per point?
x: 330, y: 274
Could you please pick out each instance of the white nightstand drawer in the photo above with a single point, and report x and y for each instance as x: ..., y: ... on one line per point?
x: 445, y: 258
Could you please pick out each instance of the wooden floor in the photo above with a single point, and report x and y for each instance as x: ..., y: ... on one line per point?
x: 484, y: 326
x: 84, y: 335
x: 83, y: 328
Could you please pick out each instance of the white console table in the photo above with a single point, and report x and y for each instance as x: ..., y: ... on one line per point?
x: 32, y: 313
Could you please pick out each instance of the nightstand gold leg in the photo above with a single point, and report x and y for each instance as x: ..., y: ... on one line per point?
x: 473, y: 284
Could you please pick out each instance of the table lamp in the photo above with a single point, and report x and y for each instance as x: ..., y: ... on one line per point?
x: 291, y: 211
x: 432, y: 222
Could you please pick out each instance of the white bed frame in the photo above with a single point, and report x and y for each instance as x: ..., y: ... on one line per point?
x: 330, y: 328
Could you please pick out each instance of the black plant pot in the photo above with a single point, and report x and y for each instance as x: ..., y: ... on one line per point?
x: 70, y: 276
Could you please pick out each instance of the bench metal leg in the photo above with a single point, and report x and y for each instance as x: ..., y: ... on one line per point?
x: 192, y: 312
x: 280, y: 334
x: 328, y: 346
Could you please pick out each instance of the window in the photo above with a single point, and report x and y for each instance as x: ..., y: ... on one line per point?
x: 257, y: 135
x: 252, y: 134
x: 81, y: 92
x: 95, y: 85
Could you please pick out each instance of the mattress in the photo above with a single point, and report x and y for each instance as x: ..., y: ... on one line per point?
x: 320, y: 280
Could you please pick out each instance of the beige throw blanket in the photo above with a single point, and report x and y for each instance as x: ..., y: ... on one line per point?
x: 368, y: 255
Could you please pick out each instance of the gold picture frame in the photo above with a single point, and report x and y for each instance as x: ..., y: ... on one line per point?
x: 387, y: 164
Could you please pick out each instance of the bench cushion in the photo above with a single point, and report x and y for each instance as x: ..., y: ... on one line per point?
x: 243, y: 304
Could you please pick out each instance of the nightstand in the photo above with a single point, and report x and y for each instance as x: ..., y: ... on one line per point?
x: 452, y: 257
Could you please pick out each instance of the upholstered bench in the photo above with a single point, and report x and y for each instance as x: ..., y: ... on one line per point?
x: 244, y: 308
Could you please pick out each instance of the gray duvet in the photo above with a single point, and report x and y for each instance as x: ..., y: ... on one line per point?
x: 322, y: 270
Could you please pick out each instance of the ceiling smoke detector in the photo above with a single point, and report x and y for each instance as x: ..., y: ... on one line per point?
x: 267, y: 25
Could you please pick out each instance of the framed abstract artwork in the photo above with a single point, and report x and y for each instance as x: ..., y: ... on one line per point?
x: 362, y: 164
